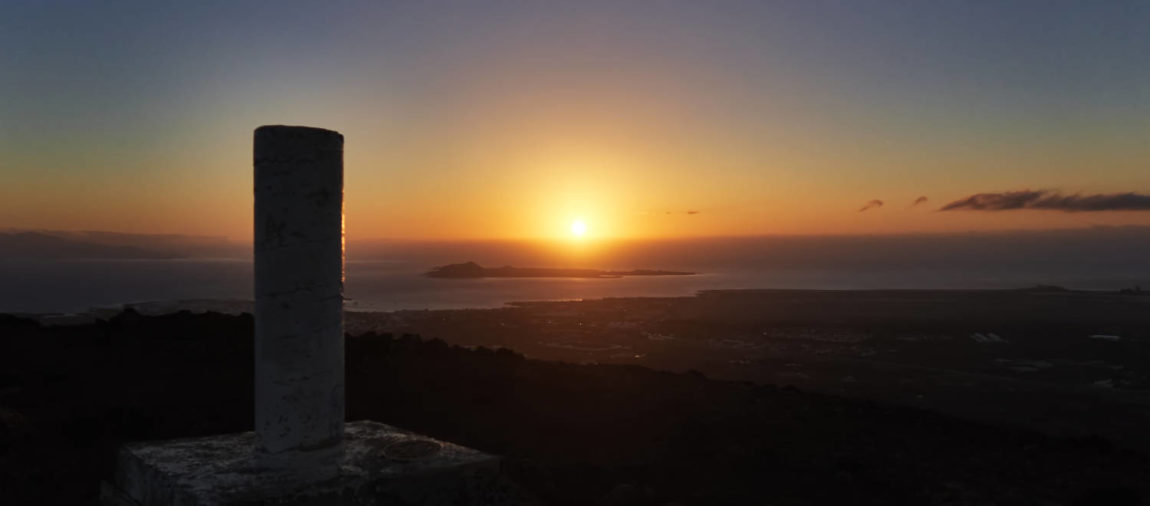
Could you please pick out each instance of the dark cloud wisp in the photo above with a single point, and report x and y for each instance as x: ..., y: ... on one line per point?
x: 871, y: 205
x: 1046, y: 200
x: 920, y: 200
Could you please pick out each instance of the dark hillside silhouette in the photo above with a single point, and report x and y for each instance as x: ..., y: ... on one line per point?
x: 572, y: 434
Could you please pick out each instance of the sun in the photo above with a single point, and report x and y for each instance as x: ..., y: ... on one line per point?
x: 578, y: 228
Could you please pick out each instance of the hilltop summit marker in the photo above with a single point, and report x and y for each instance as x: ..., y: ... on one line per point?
x: 301, y: 451
x: 299, y: 360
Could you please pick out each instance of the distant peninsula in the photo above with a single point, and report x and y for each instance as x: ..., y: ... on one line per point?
x: 472, y: 270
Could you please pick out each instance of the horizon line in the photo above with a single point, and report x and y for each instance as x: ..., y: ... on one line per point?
x: 593, y: 240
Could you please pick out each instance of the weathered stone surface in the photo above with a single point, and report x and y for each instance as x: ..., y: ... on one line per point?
x: 382, y: 465
x: 299, y: 363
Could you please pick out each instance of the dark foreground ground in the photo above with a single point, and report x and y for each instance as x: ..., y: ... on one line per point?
x: 571, y: 434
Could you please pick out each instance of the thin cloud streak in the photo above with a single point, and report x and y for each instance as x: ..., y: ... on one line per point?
x: 1051, y: 201
x: 876, y: 203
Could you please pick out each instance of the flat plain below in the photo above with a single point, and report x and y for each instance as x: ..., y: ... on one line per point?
x: 1068, y: 363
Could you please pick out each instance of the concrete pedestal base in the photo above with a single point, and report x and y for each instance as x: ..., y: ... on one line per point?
x: 382, y: 465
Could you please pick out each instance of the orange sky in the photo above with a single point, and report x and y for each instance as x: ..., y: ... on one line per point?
x: 513, y: 122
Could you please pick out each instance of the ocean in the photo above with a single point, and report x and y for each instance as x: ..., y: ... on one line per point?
x: 69, y: 286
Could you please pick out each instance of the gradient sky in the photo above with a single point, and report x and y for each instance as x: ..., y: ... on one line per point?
x: 511, y: 119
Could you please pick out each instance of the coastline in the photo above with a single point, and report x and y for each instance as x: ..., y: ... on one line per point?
x: 234, y: 306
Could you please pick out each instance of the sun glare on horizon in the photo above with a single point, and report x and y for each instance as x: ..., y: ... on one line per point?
x: 578, y: 228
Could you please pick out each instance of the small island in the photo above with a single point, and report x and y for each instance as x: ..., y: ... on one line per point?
x: 472, y: 270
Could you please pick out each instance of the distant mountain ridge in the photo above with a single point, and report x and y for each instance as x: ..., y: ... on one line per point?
x: 77, y: 245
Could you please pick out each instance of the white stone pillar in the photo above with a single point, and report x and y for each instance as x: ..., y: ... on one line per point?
x: 299, y: 348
